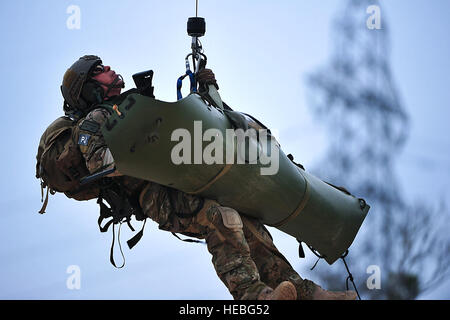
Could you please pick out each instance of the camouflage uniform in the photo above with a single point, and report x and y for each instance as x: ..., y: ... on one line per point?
x: 243, y: 254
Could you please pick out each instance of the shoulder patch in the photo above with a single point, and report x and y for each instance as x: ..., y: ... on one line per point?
x: 90, y: 126
x: 83, y: 139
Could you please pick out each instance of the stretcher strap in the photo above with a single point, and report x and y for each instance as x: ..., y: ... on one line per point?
x: 299, y: 208
x: 217, y: 177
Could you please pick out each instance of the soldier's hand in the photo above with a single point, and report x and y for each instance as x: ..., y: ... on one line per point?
x: 206, y: 77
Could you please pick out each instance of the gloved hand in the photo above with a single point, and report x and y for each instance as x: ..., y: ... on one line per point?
x: 206, y: 77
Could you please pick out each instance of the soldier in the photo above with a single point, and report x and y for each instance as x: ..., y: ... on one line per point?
x: 243, y: 253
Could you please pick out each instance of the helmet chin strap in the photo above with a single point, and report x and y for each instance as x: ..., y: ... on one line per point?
x: 112, y: 85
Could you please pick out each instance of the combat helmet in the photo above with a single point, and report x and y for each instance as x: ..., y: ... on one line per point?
x: 79, y: 93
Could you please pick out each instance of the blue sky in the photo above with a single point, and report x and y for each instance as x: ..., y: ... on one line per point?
x: 261, y: 52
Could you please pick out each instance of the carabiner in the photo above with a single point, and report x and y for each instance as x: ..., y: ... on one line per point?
x: 192, y: 81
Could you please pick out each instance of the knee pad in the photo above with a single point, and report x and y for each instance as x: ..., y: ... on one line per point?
x: 230, y: 218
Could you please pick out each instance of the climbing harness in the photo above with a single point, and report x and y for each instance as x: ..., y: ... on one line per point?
x: 119, y: 211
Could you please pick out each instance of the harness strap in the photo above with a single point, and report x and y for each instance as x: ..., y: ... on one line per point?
x: 42, y: 189
x: 207, y: 203
x: 106, y: 212
x: 133, y: 241
x: 301, y: 252
x: 44, y: 205
x: 188, y: 240
x: 111, y: 255
x: 190, y: 215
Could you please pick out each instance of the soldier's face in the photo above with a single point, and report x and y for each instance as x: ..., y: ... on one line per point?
x: 105, y: 75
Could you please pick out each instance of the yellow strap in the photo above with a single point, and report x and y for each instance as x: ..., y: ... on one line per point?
x: 219, y: 175
x: 299, y: 208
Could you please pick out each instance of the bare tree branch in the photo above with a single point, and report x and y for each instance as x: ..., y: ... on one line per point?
x: 356, y: 97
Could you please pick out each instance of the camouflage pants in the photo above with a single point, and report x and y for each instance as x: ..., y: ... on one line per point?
x: 243, y: 254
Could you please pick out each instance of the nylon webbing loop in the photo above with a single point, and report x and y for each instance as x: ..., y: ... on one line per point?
x: 188, y: 240
x: 133, y: 241
x: 44, y: 205
x: 111, y: 254
x: 106, y: 212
